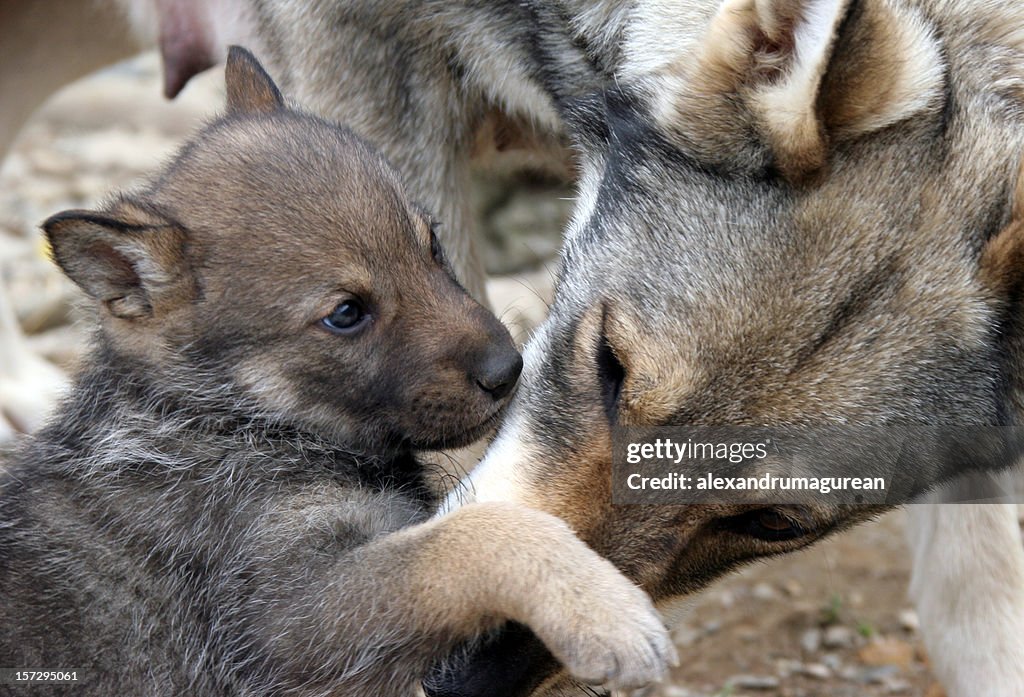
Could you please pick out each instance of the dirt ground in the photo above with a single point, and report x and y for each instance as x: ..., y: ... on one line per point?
x: 833, y: 620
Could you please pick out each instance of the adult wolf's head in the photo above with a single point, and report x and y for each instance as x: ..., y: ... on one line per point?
x: 800, y: 219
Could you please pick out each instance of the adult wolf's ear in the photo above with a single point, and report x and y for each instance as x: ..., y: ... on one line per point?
x: 801, y: 74
x: 1002, y: 273
x: 249, y: 87
x: 131, y: 260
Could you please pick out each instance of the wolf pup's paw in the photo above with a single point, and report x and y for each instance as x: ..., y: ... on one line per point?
x: 608, y: 633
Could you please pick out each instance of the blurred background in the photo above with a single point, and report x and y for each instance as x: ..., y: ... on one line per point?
x: 832, y: 620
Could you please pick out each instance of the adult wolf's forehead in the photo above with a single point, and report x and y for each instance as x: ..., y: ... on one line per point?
x: 665, y: 229
x: 725, y: 261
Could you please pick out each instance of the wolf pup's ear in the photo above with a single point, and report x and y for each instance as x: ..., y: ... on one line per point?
x: 802, y: 73
x: 132, y: 261
x: 250, y: 88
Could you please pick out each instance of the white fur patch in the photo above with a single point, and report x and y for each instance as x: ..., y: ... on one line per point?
x: 497, y: 477
x: 787, y: 107
x: 660, y: 33
x: 813, y: 36
x: 591, y: 171
x: 501, y: 474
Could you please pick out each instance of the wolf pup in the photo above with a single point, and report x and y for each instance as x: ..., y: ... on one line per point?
x: 228, y: 502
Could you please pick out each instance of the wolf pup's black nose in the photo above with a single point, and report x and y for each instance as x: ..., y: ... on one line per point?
x: 499, y: 370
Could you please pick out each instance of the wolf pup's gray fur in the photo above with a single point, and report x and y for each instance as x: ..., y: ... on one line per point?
x: 228, y: 502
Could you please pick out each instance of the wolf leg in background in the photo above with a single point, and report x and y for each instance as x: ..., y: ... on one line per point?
x: 967, y: 587
x: 421, y: 79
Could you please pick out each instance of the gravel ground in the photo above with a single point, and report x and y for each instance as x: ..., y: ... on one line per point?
x: 830, y: 621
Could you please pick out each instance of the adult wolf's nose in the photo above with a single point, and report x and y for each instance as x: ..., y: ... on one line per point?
x: 499, y: 369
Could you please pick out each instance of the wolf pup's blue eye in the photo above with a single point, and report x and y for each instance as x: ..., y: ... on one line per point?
x: 347, y: 318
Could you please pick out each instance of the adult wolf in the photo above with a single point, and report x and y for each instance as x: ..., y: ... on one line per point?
x: 814, y: 201
x: 821, y: 160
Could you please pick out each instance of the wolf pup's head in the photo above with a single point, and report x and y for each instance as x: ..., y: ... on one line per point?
x: 803, y: 220
x: 277, y: 265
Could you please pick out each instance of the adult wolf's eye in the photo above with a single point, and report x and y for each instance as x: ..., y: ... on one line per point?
x: 347, y: 317
x: 610, y: 375
x: 436, y: 250
x: 765, y: 524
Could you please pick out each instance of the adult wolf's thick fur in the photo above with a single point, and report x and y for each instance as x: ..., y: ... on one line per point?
x: 815, y: 201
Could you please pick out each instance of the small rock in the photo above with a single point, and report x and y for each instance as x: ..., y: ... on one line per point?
x: 727, y: 599
x: 817, y: 670
x: 712, y: 626
x: 885, y: 651
x: 876, y: 675
x: 747, y: 633
x: 838, y: 637
x: 803, y: 606
x: 676, y: 691
x: 810, y: 641
x: 784, y: 667
x: 850, y: 673
x: 832, y: 661
x: 753, y: 682
x: 62, y: 346
x: 44, y: 191
x: 908, y: 620
x: 764, y: 591
x: 117, y: 149
x: 51, y: 162
x: 896, y: 686
x: 792, y: 588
